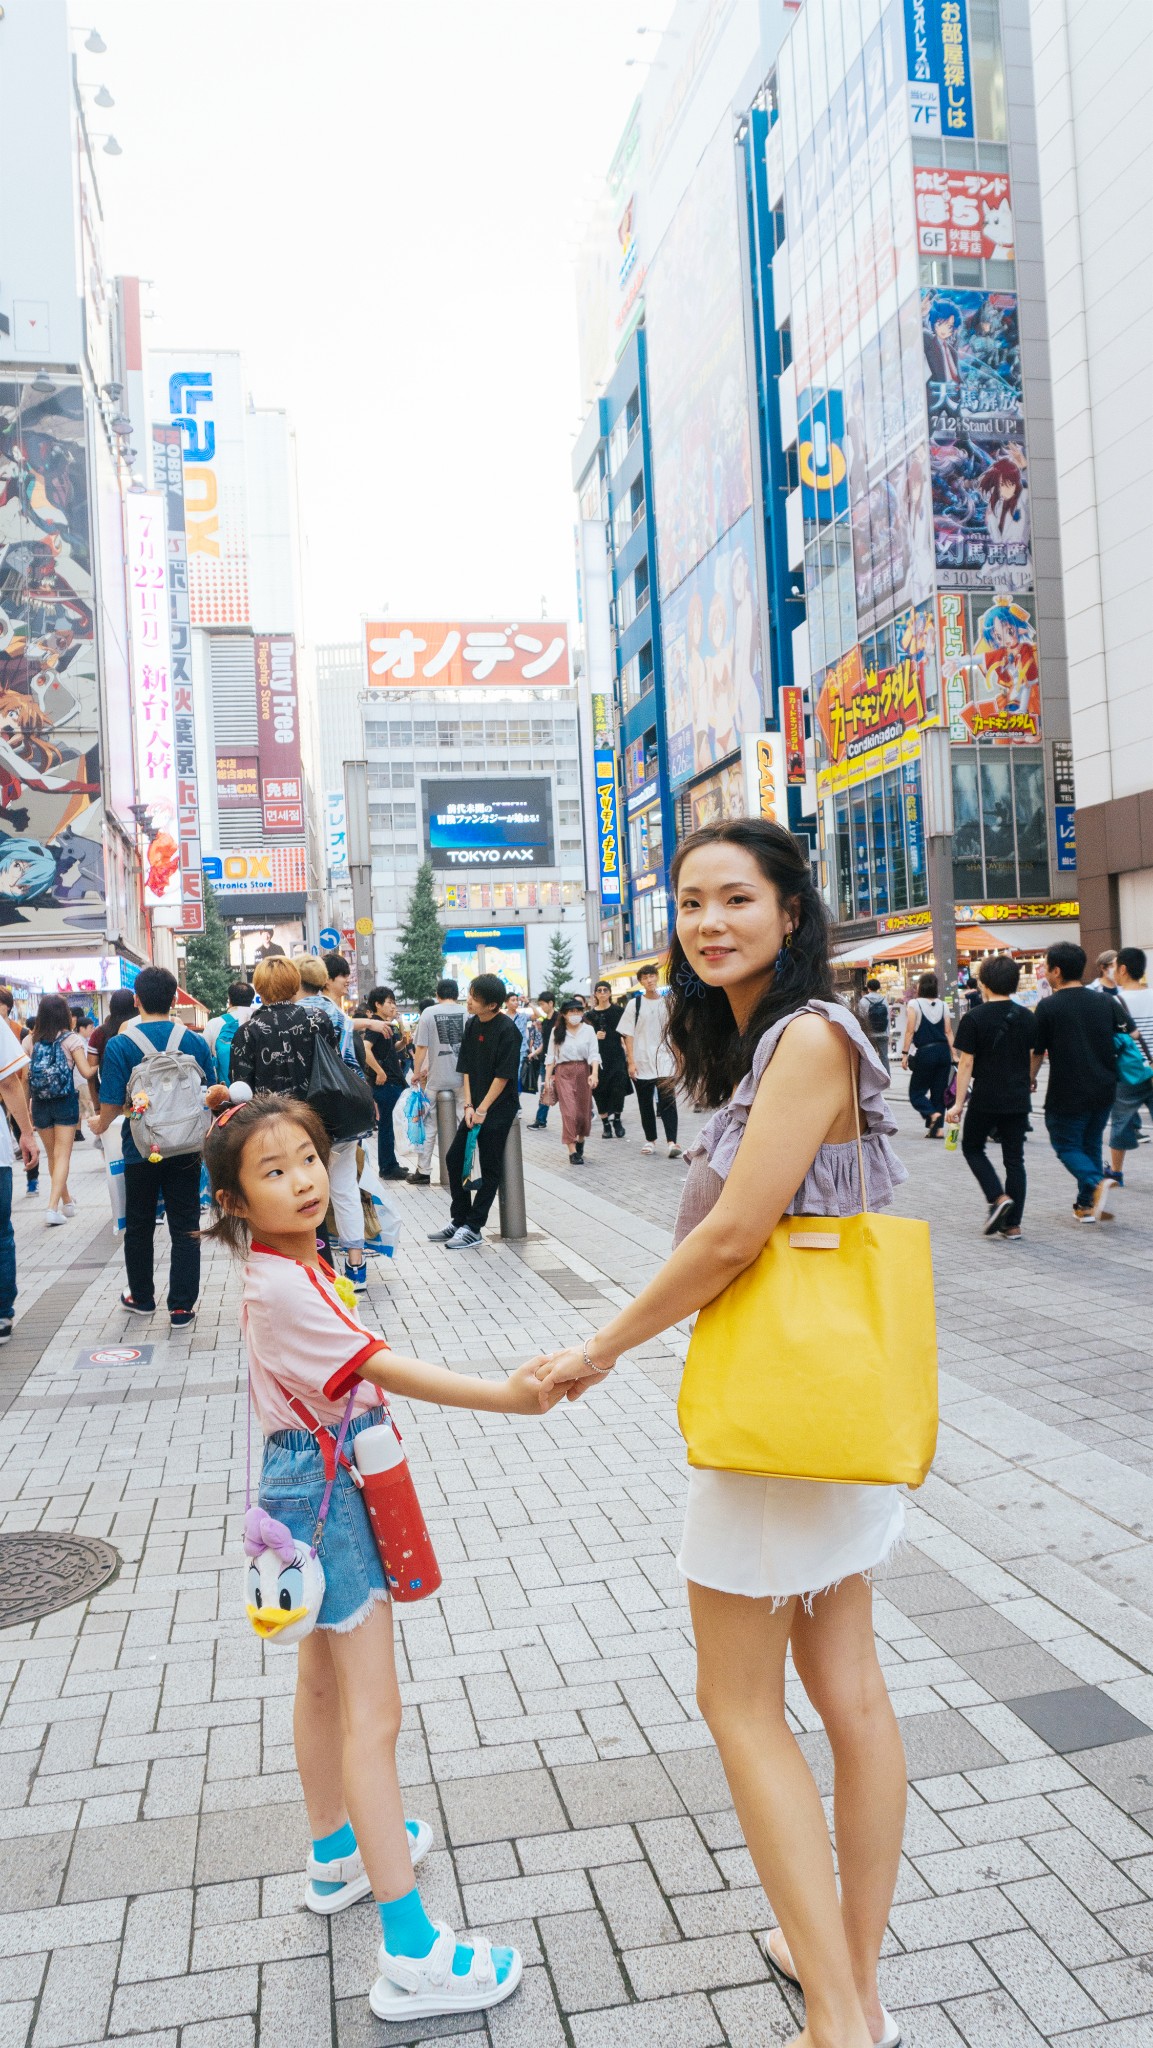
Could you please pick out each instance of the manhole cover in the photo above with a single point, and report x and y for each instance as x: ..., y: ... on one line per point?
x: 42, y: 1571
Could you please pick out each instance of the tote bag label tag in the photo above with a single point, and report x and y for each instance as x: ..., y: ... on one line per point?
x: 815, y: 1241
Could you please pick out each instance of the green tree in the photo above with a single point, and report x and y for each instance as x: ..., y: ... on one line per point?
x: 559, y: 964
x: 418, y: 961
x: 208, y: 969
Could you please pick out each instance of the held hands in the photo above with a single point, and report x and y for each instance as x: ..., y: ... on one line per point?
x: 524, y: 1394
x: 570, y: 1373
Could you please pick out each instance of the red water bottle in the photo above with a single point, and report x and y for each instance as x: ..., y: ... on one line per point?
x: 394, y: 1514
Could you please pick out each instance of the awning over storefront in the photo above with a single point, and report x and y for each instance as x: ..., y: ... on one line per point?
x: 971, y: 938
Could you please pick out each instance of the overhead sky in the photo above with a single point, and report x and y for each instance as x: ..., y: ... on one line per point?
x: 377, y: 201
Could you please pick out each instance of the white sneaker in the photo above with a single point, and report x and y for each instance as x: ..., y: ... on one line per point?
x: 53, y: 1217
x: 648, y: 1148
x: 69, y: 1208
x: 464, y: 1240
x: 416, y: 1988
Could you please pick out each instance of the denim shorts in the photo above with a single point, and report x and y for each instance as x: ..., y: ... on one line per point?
x: 291, y: 1489
x: 55, y: 1109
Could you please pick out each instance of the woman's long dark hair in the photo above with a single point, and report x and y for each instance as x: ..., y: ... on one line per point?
x: 712, y: 1054
x: 52, y: 1017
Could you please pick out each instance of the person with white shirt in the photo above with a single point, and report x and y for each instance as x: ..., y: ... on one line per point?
x: 573, y: 1069
x: 1131, y: 989
x: 651, y: 1065
x: 13, y: 1062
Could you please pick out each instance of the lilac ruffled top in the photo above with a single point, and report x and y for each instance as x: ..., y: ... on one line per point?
x: 832, y: 1185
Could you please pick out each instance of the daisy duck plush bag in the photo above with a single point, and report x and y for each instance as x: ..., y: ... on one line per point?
x: 284, y: 1578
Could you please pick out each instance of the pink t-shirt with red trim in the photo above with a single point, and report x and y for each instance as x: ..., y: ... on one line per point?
x: 299, y: 1333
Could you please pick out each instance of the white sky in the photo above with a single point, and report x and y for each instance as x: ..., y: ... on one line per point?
x: 377, y: 201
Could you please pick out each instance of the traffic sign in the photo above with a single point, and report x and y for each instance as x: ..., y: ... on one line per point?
x: 329, y: 938
x: 364, y: 927
x: 114, y: 1354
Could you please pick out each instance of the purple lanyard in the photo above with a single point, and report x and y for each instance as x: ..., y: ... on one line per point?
x: 326, y: 1496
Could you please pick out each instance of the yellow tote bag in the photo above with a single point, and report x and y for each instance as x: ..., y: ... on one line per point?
x: 819, y: 1361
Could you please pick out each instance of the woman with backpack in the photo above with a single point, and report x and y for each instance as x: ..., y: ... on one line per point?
x: 929, y: 1038
x: 58, y: 1056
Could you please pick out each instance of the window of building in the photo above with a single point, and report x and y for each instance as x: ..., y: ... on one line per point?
x: 526, y: 895
x: 573, y: 847
x: 480, y: 895
x: 877, y: 855
x: 400, y: 732
x: 569, y: 812
x: 375, y: 733
x: 641, y: 585
x: 472, y: 732
x: 566, y: 774
x: 550, y: 895
x: 989, y: 111
x: 504, y: 895
x: 424, y: 732
x: 448, y: 732
x: 572, y: 892
x: 1000, y: 843
x: 542, y: 732
x: 518, y: 732
x: 496, y: 732
x: 565, y: 732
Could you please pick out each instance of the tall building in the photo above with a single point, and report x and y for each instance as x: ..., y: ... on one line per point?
x: 72, y: 829
x: 828, y: 260
x: 1095, y: 155
x: 474, y: 767
x: 251, y: 675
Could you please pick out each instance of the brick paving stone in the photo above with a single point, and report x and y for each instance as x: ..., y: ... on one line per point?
x: 707, y: 1965
x: 581, y: 1962
x: 1042, y: 1987
x: 76, y: 1996
x: 688, y: 2022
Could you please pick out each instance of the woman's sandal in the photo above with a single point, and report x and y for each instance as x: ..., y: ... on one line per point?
x: 413, y: 1988
x: 350, y: 1874
x: 891, y: 2038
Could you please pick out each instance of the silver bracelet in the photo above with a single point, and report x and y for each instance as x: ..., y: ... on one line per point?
x: 589, y: 1366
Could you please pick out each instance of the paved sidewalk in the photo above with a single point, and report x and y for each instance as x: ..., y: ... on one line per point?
x: 151, y: 1873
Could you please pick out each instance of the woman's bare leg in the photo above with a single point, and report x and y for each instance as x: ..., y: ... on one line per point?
x: 316, y: 1734
x: 365, y: 1670
x: 741, y: 1648
x: 835, y: 1655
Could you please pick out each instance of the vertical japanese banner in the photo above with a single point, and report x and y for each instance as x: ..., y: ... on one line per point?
x: 278, y: 734
x: 146, y: 554
x: 168, y: 476
x: 763, y: 758
x: 608, y: 827
x: 793, y: 731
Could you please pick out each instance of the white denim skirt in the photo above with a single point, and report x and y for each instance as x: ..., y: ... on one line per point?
x: 772, y: 1539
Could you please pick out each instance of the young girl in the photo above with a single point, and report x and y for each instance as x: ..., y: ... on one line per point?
x: 267, y: 1165
x: 573, y: 1067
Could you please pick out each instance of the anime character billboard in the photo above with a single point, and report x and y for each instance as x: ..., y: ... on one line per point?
x: 51, y: 809
x: 980, y: 469
x: 711, y: 640
x: 991, y: 675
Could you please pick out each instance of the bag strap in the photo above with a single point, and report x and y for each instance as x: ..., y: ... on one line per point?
x: 174, y: 1038
x: 854, y: 1078
x: 330, y: 1482
x: 143, y: 1044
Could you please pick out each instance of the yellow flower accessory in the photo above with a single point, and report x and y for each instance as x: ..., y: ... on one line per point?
x: 346, y: 1291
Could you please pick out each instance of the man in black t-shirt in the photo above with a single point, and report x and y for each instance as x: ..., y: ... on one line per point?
x: 1075, y: 1027
x: 489, y: 1064
x: 994, y: 1041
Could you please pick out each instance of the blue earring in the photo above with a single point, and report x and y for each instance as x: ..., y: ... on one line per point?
x: 783, y: 964
x: 690, y: 981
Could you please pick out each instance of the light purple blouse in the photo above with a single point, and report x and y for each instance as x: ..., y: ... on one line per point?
x: 832, y: 1185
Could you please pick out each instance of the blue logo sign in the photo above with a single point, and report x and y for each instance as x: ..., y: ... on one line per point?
x: 940, y: 68
x: 821, y: 457
x: 1065, y: 816
x: 330, y: 939
x: 608, y: 826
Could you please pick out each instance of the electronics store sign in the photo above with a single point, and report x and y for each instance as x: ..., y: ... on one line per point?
x: 494, y: 825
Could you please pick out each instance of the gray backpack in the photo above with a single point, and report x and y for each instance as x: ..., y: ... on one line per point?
x: 175, y: 1119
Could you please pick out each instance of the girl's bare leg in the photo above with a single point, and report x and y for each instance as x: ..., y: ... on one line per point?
x: 59, y: 1155
x: 835, y: 1655
x: 316, y: 1733
x: 365, y: 1669
x: 48, y: 1139
x: 741, y: 1648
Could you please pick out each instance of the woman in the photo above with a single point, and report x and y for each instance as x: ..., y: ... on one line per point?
x: 58, y: 1056
x: 614, y: 1083
x: 388, y: 1055
x: 929, y: 1035
x: 774, y: 1564
x: 573, y: 1067
x: 121, y: 1006
x: 273, y: 1053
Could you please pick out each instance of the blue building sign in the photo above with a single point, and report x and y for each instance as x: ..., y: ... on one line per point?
x: 940, y: 67
x: 821, y: 456
x: 1066, y: 820
x: 608, y: 827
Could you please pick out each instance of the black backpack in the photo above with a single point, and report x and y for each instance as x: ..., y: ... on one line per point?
x: 341, y: 1098
x: 878, y: 1015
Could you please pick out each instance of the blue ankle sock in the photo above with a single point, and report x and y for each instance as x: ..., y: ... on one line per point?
x: 408, y: 1931
x: 341, y: 1843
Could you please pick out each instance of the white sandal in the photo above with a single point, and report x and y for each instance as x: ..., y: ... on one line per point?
x: 412, y: 1988
x: 350, y: 1874
x: 892, y: 2036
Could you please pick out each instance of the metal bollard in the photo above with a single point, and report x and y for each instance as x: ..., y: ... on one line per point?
x: 513, y: 1219
x: 445, y: 1128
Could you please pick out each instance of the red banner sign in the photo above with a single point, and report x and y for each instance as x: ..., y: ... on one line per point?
x: 859, y: 709
x: 793, y: 727
x: 278, y: 733
x: 964, y: 213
